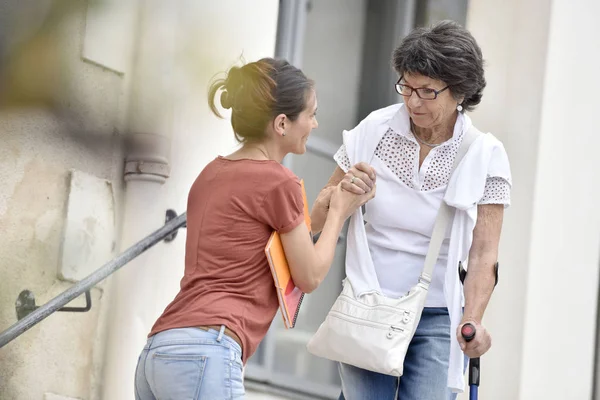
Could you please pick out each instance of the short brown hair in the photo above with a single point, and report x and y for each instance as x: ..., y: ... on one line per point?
x: 446, y: 52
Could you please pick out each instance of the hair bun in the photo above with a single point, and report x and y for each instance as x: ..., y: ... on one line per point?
x: 226, y: 100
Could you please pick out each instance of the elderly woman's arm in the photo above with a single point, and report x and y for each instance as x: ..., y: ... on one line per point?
x: 481, y: 277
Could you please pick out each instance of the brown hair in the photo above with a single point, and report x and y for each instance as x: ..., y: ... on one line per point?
x: 257, y: 92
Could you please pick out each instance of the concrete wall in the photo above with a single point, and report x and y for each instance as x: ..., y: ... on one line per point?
x: 75, y: 123
x: 43, y: 135
x: 537, y: 51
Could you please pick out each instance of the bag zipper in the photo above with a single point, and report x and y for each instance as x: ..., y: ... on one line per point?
x: 359, y: 304
x: 365, y: 322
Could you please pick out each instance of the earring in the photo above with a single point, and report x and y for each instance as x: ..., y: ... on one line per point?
x: 459, y: 108
x: 283, y: 134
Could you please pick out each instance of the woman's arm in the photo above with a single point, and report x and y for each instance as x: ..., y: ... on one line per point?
x: 364, y: 181
x: 321, y: 205
x: 481, y: 275
x: 310, y: 263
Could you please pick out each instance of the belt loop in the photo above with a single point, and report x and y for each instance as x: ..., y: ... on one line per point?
x: 221, y: 333
x: 149, y: 342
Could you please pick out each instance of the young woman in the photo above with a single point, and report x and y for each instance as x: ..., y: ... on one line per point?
x: 227, y: 300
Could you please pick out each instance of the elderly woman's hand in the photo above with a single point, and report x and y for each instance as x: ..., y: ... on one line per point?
x: 480, y: 344
x: 345, y: 202
x: 359, y: 179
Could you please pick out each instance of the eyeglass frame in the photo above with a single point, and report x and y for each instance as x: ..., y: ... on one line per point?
x: 414, y: 90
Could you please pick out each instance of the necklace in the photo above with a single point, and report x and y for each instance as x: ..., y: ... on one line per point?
x: 412, y: 130
x: 424, y: 142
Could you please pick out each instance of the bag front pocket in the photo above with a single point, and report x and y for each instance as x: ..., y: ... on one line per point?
x: 365, y: 343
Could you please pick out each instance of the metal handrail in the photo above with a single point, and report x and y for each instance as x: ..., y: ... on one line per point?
x: 91, y: 280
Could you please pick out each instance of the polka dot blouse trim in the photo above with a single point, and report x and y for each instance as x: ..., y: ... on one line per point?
x: 341, y: 158
x: 438, y: 171
x: 497, y: 191
x: 399, y: 155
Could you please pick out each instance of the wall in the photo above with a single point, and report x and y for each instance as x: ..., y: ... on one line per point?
x: 562, y: 293
x: 550, y: 240
x: 44, y: 134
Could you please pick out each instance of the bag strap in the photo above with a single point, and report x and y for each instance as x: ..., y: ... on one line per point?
x: 446, y: 213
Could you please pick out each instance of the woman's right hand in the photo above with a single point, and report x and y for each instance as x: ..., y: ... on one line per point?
x: 345, y: 202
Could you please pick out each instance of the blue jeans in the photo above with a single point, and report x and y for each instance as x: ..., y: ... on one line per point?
x: 190, y: 364
x: 425, y: 367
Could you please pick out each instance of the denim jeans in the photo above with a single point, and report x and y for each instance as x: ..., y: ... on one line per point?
x: 425, y: 367
x: 190, y: 364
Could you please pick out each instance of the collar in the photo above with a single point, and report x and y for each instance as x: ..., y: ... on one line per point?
x: 400, y: 124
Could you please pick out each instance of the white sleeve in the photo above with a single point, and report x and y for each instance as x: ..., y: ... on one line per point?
x: 499, y: 182
x: 497, y: 191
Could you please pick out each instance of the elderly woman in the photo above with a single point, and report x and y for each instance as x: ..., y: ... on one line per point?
x: 441, y: 77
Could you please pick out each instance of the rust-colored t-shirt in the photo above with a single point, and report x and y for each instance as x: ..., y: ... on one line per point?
x: 233, y: 207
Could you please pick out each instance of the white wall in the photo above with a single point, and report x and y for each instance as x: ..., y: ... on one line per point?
x: 537, y: 52
x: 562, y: 291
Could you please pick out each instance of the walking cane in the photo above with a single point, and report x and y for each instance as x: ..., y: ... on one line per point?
x: 468, y: 333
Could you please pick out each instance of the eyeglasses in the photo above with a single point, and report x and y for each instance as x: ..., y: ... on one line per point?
x: 423, y: 93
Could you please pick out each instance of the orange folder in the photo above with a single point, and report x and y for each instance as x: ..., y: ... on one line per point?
x: 290, y: 297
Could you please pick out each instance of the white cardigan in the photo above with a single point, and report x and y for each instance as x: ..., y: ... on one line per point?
x: 486, y: 157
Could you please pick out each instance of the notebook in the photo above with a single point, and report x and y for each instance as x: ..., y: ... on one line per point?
x: 290, y: 297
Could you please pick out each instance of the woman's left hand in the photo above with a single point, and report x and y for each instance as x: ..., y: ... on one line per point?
x: 359, y: 179
x: 480, y: 344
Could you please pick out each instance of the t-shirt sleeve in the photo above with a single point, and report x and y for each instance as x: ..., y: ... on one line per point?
x: 283, y: 207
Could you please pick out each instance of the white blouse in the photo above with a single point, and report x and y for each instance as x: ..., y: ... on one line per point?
x: 398, y: 236
x: 400, y: 153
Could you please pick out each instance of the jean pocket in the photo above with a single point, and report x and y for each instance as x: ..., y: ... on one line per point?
x: 177, y: 376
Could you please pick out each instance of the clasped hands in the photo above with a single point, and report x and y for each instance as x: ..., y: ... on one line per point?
x: 359, y: 179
